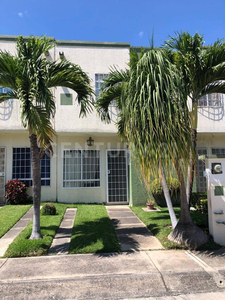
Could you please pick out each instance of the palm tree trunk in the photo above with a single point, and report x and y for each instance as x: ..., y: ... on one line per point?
x: 36, y: 176
x: 186, y: 232
x: 192, y: 166
x: 166, y: 192
x: 192, y: 160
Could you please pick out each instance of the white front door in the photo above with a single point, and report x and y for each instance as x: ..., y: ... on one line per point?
x: 117, y: 188
x: 2, y: 175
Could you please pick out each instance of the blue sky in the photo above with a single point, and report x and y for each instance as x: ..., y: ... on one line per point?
x: 125, y: 21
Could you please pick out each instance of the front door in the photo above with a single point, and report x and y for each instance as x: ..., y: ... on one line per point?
x: 2, y: 175
x: 117, y: 176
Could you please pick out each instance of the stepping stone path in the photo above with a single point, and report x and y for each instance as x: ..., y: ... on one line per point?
x: 132, y: 234
x: 8, y: 238
x: 61, y: 242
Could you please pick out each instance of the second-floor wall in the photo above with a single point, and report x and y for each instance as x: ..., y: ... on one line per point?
x: 95, y: 59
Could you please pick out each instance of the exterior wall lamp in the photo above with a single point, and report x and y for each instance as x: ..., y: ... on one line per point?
x: 90, y: 142
x: 61, y: 55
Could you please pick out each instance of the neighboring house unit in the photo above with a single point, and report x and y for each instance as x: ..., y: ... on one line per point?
x: 90, y: 164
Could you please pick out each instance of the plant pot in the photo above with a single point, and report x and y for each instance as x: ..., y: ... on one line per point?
x: 150, y: 206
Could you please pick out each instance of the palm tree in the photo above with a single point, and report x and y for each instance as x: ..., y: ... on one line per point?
x: 29, y: 77
x: 203, y: 70
x: 114, y: 89
x: 154, y: 113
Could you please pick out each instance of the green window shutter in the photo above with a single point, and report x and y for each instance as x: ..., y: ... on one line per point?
x: 218, y: 191
x: 66, y: 99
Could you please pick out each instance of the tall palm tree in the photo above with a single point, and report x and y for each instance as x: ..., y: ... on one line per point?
x: 156, y: 114
x: 203, y: 70
x: 114, y: 90
x: 29, y: 77
x: 156, y: 122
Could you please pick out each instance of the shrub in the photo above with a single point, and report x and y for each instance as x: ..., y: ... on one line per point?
x: 199, y: 201
x: 157, y: 191
x: 196, y: 197
x: 49, y: 209
x: 16, y: 192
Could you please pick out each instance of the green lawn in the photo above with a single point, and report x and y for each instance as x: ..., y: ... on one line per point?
x: 93, y: 231
x: 22, y: 246
x: 160, y: 225
x: 10, y: 215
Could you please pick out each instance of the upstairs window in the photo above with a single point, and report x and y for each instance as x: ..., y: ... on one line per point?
x: 66, y: 99
x: 211, y: 100
x: 22, y: 169
x: 98, y: 83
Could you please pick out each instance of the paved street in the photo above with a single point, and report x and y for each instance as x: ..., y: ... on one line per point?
x: 127, y: 275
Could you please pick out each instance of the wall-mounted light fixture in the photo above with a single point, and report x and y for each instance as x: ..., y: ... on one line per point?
x: 61, y: 55
x: 90, y: 142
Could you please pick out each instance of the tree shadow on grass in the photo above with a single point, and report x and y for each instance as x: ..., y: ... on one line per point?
x: 94, y: 237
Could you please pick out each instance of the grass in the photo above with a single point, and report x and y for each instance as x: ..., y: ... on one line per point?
x: 10, y: 215
x: 93, y: 231
x: 23, y: 246
x: 160, y: 225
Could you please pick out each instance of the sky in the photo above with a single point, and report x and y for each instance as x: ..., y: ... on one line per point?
x: 124, y: 21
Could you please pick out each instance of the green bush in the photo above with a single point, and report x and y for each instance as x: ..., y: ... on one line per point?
x: 49, y: 209
x: 196, y: 197
x: 199, y: 201
x: 157, y: 191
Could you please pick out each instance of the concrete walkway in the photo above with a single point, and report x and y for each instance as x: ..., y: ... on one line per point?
x: 132, y: 234
x: 61, y: 242
x: 126, y: 275
x: 8, y: 238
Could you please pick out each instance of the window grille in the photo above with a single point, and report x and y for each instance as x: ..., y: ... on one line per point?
x: 98, y: 83
x: 200, y: 168
x: 22, y: 169
x: 211, y: 100
x: 81, y: 168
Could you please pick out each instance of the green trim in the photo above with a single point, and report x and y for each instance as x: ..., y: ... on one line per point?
x: 218, y: 191
x: 13, y: 38
x: 93, y: 44
x: 66, y: 99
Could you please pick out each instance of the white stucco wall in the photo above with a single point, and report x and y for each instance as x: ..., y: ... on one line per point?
x: 211, y: 140
x: 56, y: 190
x: 93, y: 60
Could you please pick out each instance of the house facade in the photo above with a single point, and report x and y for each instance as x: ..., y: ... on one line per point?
x: 90, y: 164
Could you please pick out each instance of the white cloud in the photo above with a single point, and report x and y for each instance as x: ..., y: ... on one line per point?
x: 20, y: 14
x: 141, y: 34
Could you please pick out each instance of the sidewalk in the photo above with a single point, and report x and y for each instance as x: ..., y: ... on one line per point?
x: 132, y: 234
x: 8, y: 238
x: 126, y: 275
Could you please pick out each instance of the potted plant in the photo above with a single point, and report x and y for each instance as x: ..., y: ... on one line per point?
x: 150, y: 204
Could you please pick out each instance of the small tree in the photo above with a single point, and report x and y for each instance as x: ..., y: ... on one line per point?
x: 29, y: 77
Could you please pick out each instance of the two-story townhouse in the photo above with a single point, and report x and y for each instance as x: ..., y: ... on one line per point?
x: 90, y: 164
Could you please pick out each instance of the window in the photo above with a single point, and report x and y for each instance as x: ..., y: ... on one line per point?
x: 66, y: 99
x: 98, y: 83
x: 218, y: 151
x: 200, y: 168
x: 211, y: 100
x: 22, y: 166
x: 81, y: 168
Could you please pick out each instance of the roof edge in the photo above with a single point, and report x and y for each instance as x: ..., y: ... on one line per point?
x: 13, y: 38
x: 94, y: 44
